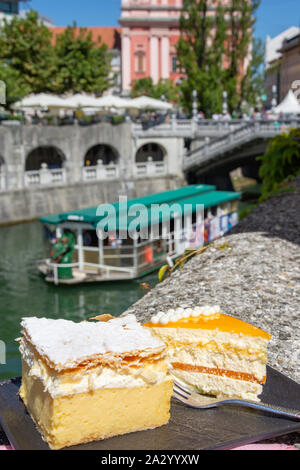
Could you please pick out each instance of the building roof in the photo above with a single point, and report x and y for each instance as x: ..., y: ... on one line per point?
x: 290, y: 43
x: 273, y: 45
x: 110, y: 35
x: 189, y: 195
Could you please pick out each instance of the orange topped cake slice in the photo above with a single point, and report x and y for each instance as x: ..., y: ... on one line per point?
x: 218, y: 354
x: 91, y: 380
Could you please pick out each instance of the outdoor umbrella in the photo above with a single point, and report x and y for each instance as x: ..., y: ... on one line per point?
x: 81, y: 101
x: 111, y: 101
x: 144, y: 102
x: 41, y: 100
x: 289, y: 105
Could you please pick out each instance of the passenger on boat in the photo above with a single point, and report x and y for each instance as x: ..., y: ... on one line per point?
x: 62, y: 253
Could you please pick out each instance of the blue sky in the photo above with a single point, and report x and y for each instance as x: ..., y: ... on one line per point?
x: 273, y: 16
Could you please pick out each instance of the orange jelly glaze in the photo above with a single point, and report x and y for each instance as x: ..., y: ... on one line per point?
x: 223, y: 323
x: 220, y: 372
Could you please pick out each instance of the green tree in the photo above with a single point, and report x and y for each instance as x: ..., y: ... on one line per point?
x: 281, y: 161
x: 238, y: 81
x: 200, y: 51
x: 25, y: 45
x: 16, y: 88
x: 165, y: 87
x: 252, y: 86
x: 213, y: 51
x: 82, y: 65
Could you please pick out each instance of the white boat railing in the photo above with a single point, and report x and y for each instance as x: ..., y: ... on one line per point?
x: 80, y: 266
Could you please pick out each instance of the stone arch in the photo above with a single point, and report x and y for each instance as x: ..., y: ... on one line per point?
x: 150, y: 151
x: 49, y: 154
x: 107, y: 153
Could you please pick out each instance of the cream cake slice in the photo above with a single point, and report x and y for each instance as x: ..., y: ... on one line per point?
x: 92, y: 380
x: 218, y: 354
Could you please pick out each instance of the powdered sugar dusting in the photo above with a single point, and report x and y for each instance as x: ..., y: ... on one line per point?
x: 66, y: 342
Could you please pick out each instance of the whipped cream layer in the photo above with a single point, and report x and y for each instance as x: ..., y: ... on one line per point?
x: 215, y: 340
x: 65, y: 344
x: 82, y: 380
x: 173, y: 315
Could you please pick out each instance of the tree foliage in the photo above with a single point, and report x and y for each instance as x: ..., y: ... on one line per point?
x: 164, y: 87
x: 31, y: 63
x: 82, y: 65
x: 15, y: 86
x: 281, y: 161
x: 25, y: 45
x: 213, y: 50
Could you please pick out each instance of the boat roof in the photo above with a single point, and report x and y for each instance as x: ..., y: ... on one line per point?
x: 154, y: 216
x: 191, y: 196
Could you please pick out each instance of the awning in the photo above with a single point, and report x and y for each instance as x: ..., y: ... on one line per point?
x: 190, y: 195
x: 289, y: 105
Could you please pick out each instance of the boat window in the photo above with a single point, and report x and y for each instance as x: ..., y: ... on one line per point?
x: 214, y: 210
x: 90, y: 238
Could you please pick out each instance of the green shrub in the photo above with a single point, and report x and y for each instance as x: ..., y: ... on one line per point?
x: 117, y: 119
x: 281, y: 162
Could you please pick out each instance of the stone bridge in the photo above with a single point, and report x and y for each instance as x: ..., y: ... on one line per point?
x: 46, y: 169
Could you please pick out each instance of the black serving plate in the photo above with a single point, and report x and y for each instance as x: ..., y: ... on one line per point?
x: 189, y: 429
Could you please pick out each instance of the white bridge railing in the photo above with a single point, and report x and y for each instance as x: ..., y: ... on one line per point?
x: 250, y: 131
x: 185, y: 128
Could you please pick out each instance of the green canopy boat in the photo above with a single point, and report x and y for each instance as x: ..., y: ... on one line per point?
x: 128, y: 239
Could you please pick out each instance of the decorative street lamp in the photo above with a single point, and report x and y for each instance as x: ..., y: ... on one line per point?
x: 195, y: 104
x: 225, y: 104
x: 274, y: 99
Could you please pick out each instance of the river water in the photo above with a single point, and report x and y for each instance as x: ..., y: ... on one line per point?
x: 23, y: 292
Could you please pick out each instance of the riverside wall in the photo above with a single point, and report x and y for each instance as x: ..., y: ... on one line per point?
x: 28, y: 204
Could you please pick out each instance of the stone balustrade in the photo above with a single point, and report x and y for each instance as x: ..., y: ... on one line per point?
x: 2, y: 181
x: 150, y: 168
x: 210, y: 140
x: 100, y: 172
x: 45, y: 176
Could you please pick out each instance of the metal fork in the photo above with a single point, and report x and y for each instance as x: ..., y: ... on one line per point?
x: 196, y: 400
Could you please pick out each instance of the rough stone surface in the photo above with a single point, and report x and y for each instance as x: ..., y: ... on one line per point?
x: 254, y: 274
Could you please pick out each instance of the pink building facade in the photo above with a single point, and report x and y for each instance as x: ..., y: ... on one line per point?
x: 150, y: 31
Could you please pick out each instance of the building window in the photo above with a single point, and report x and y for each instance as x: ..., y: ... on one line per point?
x: 174, y: 64
x: 9, y: 7
x: 140, y: 63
